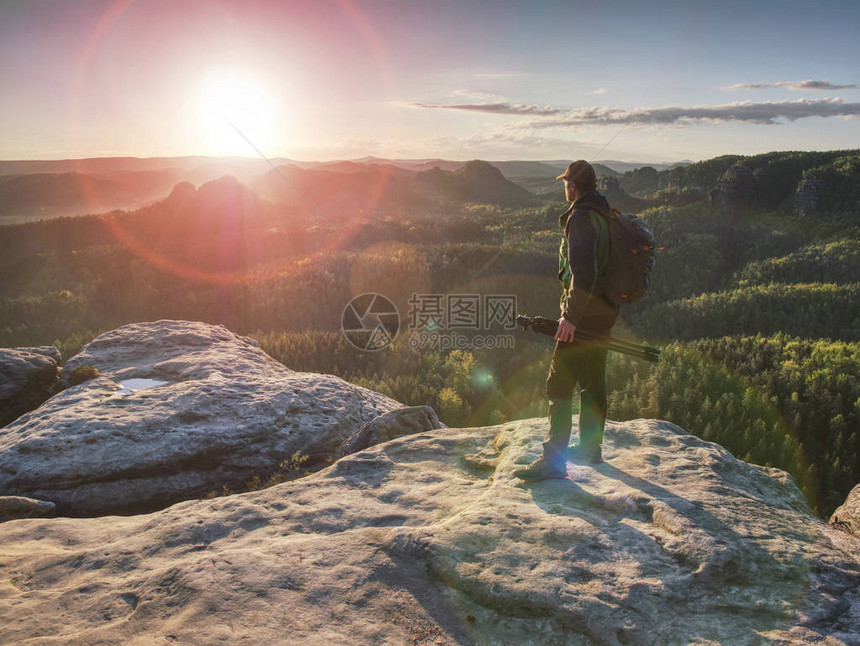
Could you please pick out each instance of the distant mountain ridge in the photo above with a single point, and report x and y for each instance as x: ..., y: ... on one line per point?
x: 43, y: 195
x: 39, y: 189
x: 244, y: 167
x: 477, y: 181
x: 622, y: 167
x: 351, y: 185
x: 137, y: 164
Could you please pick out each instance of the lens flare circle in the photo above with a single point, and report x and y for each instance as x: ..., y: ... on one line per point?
x: 250, y: 107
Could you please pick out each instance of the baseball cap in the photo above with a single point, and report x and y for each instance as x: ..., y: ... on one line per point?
x: 580, y: 173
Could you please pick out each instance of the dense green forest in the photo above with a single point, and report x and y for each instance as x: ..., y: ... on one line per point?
x: 771, y: 181
x: 758, y: 310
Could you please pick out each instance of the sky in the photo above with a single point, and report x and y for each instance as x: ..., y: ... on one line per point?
x: 457, y: 79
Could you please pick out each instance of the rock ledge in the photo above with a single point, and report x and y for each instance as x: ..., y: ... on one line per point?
x: 428, y: 539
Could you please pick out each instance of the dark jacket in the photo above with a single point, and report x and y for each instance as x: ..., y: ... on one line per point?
x: 583, y: 257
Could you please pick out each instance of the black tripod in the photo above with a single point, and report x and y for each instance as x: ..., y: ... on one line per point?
x: 550, y: 327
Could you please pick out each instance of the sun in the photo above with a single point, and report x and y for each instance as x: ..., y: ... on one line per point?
x: 237, y: 113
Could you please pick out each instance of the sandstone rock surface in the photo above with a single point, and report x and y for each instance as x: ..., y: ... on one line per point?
x: 847, y: 515
x: 405, y: 421
x: 180, y: 409
x: 809, y: 197
x: 735, y: 188
x: 428, y: 539
x: 27, y: 378
x: 15, y: 507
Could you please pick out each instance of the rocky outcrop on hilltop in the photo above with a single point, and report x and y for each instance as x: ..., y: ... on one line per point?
x: 27, y: 378
x: 847, y: 516
x: 226, y: 198
x: 809, y: 197
x: 735, y: 188
x: 832, y: 188
x: 429, y: 539
x: 618, y: 197
x: 477, y: 181
x: 608, y: 183
x: 179, y: 409
x: 182, y: 195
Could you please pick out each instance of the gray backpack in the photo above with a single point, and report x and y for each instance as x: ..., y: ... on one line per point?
x: 631, y: 258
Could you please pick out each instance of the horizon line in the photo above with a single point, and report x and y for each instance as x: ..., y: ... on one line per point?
x: 395, y: 159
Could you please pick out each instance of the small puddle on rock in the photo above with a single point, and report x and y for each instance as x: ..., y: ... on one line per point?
x: 131, y: 386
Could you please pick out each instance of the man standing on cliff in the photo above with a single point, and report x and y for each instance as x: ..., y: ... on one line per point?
x: 583, y: 256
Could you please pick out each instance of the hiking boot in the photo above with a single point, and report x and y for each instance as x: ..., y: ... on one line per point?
x: 585, y: 454
x: 540, y: 469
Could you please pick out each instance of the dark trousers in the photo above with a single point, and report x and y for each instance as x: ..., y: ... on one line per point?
x: 582, y: 363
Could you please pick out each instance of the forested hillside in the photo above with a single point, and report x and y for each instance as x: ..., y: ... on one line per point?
x: 758, y: 309
x: 823, y: 182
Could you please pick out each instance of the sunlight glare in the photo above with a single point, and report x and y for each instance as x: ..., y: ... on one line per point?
x: 241, y: 99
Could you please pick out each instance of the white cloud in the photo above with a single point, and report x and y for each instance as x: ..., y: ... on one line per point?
x: 496, y: 108
x: 768, y: 112
x: 598, y: 91
x: 793, y: 85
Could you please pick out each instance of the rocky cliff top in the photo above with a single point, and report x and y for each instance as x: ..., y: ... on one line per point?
x: 428, y: 539
x: 179, y: 409
x: 421, y: 536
